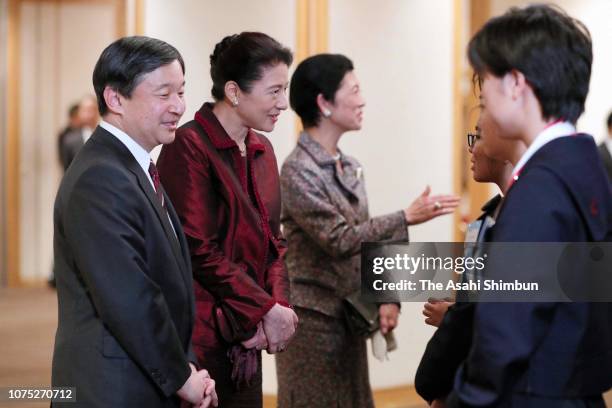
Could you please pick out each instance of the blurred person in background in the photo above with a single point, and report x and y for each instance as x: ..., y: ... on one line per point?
x: 84, y: 118
x: 65, y: 155
x: 81, y: 128
x: 73, y: 123
x: 605, y: 149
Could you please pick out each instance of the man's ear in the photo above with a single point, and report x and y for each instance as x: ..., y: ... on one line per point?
x: 516, y: 83
x: 114, y: 100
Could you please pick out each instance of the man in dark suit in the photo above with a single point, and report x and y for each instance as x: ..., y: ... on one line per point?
x: 84, y: 118
x: 74, y: 137
x: 605, y: 149
x: 73, y: 124
x: 534, y: 66
x: 126, y: 304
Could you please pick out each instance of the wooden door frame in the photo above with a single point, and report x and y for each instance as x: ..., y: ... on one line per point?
x: 312, y: 35
x: 464, y: 103
x: 12, y: 151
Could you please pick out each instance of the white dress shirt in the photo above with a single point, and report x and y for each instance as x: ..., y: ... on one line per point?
x: 140, y: 154
x: 552, y: 132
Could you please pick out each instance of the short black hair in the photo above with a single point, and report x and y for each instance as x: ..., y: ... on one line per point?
x: 73, y: 109
x: 123, y: 64
x: 242, y: 57
x: 610, y: 121
x: 319, y: 74
x: 551, y: 49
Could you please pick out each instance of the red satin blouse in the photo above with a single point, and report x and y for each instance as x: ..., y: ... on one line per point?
x: 229, y: 208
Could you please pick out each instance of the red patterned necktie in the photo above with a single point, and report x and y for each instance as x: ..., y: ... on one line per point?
x: 156, y: 183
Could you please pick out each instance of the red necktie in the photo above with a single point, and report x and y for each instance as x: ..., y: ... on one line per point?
x: 156, y: 183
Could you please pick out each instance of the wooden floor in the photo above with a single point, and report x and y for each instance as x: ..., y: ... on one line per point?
x: 28, y: 318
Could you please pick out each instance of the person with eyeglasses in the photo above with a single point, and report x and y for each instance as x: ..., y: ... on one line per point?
x: 533, y: 67
x: 451, y: 342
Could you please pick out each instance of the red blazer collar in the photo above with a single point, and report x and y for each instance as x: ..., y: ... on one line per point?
x: 219, y: 137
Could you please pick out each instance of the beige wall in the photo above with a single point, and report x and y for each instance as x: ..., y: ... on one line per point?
x: 403, y: 57
x: 195, y: 26
x: 60, y: 43
x: 406, y: 140
x: 597, y: 16
x: 402, y: 51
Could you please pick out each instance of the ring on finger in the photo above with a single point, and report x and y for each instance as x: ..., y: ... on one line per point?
x: 437, y: 205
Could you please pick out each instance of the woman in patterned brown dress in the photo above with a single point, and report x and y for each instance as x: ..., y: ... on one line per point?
x: 325, y: 219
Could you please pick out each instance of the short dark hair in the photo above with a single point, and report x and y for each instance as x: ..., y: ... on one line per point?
x: 319, y: 74
x: 610, y: 121
x: 242, y: 57
x: 123, y: 64
x: 551, y: 49
x: 73, y: 109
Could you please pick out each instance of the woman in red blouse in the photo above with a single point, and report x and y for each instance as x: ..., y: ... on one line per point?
x: 222, y: 178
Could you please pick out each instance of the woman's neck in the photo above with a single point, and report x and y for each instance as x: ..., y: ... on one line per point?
x: 327, y: 136
x: 231, y: 122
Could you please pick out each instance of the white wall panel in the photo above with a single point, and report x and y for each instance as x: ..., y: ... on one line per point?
x: 403, y: 54
x: 194, y: 27
x: 597, y: 16
x: 402, y: 51
x: 60, y: 44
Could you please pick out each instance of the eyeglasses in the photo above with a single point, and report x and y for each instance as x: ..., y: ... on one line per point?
x: 472, y: 137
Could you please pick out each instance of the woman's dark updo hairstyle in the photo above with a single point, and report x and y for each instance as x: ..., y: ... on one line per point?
x: 319, y: 74
x: 242, y: 57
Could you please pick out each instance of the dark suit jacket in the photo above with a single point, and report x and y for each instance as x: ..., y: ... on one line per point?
x: 69, y: 143
x: 451, y: 342
x: 526, y: 353
x: 126, y: 305
x: 606, y: 158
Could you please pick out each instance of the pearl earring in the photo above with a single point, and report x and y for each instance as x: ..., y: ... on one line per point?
x: 326, y: 113
x: 235, y: 102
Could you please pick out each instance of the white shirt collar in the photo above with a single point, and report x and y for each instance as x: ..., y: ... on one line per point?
x: 86, y: 133
x: 140, y: 154
x: 549, y: 134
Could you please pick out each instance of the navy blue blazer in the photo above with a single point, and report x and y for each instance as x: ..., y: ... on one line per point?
x: 523, y: 353
x: 451, y: 342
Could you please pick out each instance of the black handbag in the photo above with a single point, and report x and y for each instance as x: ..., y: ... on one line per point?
x: 361, y: 316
